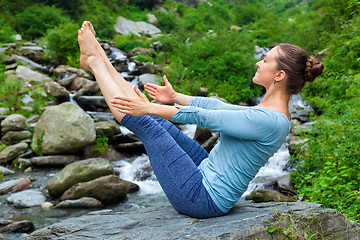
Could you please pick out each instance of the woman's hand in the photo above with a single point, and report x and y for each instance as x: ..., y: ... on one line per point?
x: 164, y: 94
x: 138, y: 106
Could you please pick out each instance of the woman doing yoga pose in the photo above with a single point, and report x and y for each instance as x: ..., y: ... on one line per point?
x: 196, y: 183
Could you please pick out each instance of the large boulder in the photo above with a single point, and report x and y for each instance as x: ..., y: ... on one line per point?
x: 125, y: 27
x: 81, y: 171
x: 65, y: 128
x: 12, y: 152
x: 244, y: 222
x: 108, y: 190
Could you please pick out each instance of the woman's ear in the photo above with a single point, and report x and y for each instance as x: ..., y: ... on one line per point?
x: 280, y: 75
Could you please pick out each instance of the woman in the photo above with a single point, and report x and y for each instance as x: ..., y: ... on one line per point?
x: 196, y: 183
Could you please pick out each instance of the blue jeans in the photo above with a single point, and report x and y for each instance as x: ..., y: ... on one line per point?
x: 175, y: 158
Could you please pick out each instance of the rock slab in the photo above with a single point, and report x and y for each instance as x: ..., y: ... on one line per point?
x: 245, y: 221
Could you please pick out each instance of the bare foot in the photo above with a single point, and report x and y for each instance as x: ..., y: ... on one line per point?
x: 88, y: 46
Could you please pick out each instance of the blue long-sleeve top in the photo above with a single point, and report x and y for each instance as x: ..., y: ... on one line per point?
x: 249, y: 136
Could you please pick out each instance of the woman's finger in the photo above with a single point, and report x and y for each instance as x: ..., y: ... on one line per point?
x: 120, y: 102
x: 166, y: 81
x: 137, y: 91
x: 123, y: 98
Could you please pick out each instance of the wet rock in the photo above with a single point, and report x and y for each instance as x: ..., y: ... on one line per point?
x: 210, y: 143
x: 108, y: 190
x: 133, y: 147
x: 26, y: 199
x: 125, y: 27
x: 285, y: 186
x: 81, y: 171
x: 6, y: 171
x: 66, y: 79
x: 294, y: 142
x: 132, y: 186
x: 54, y: 160
x: 21, y: 226
x: 65, y: 128
x: 13, y: 122
x: 56, y: 90
x: 33, y: 119
x: 245, y: 221
x: 84, y: 202
x: 91, y: 103
x: 149, y: 78
x: 14, y: 185
x: 16, y: 136
x: 31, y: 64
x: 299, y: 109
x: 202, y: 134
x: 107, y: 128
x: 12, y: 152
x: 145, y: 172
x: 121, y: 66
x: 268, y: 195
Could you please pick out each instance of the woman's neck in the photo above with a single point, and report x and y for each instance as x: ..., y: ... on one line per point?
x: 276, y: 100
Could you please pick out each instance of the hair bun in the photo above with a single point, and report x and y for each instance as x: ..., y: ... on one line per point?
x: 313, y: 69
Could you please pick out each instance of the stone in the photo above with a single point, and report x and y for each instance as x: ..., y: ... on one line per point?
x: 142, y: 51
x: 61, y: 69
x: 29, y: 63
x: 107, y: 128
x: 30, y: 76
x: 13, y: 122
x: 245, y: 221
x: 234, y: 28
x: 210, y: 143
x: 16, y: 136
x: 125, y: 27
x: 84, y: 202
x: 79, y: 82
x: 202, y: 134
x: 91, y: 88
x: 66, y: 79
x: 56, y: 90
x: 91, y: 103
x: 53, y: 160
x: 150, y: 68
x: 14, y: 185
x: 23, y: 226
x: 47, y: 205
x: 11, y: 152
x: 294, y: 142
x: 152, y: 19
x: 132, y: 187
x: 26, y: 199
x: 108, y: 190
x: 80, y: 171
x: 6, y: 171
x: 65, y: 128
x: 149, y: 78
x: 268, y: 195
x: 133, y: 147
x: 304, y: 128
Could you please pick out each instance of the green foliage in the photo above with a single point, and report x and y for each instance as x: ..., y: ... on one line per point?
x: 36, y: 145
x: 62, y: 43
x: 10, y: 92
x: 6, y: 32
x: 143, y: 58
x: 101, y: 144
x: 129, y: 42
x: 329, y: 167
x: 1, y: 175
x: 36, y: 19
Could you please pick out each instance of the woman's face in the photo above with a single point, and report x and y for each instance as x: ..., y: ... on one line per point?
x: 267, y: 69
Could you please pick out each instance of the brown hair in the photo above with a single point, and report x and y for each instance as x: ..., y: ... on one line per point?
x: 298, y: 66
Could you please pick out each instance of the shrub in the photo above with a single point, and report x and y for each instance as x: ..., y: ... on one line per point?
x: 36, y: 19
x: 129, y: 42
x: 101, y: 144
x: 62, y: 43
x: 6, y: 32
